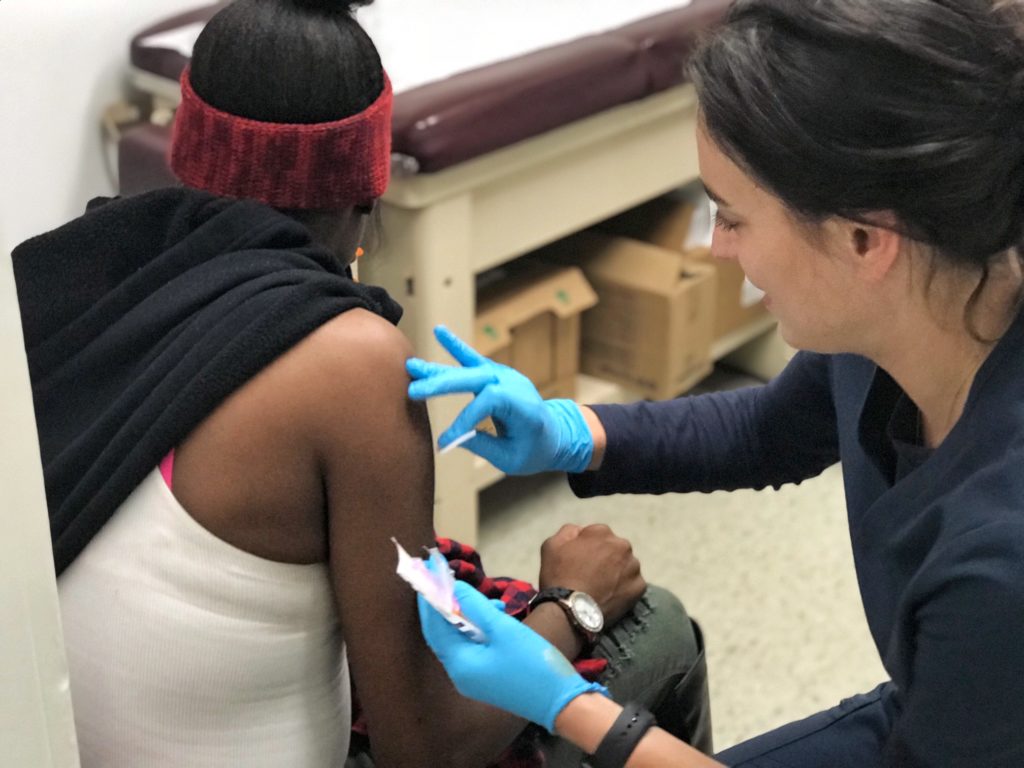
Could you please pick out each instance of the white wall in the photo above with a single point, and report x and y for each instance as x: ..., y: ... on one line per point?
x: 36, y: 723
x: 61, y: 63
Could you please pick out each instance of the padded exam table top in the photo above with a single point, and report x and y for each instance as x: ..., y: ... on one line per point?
x: 471, y: 77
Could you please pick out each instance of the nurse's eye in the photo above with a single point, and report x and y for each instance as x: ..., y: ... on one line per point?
x: 724, y: 224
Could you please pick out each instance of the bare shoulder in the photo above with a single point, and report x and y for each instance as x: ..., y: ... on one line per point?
x: 350, y: 374
x: 254, y: 471
x: 356, y: 341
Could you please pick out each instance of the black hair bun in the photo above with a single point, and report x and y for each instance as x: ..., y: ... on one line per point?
x: 331, y: 6
x: 350, y: 5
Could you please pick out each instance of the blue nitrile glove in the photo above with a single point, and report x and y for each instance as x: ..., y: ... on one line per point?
x: 535, y: 435
x: 515, y: 669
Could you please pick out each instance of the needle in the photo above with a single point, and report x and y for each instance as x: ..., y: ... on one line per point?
x: 457, y: 442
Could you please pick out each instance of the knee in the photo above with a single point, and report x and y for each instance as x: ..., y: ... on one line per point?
x: 656, y: 658
x: 670, y: 620
x: 657, y: 633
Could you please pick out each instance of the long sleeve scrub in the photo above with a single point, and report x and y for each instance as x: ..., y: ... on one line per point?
x: 938, y: 543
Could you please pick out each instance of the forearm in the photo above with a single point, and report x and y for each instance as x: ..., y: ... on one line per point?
x: 750, y: 438
x: 587, y: 719
x: 679, y: 446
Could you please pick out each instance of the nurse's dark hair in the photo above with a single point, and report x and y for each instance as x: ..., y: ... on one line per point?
x: 287, y: 61
x: 853, y: 107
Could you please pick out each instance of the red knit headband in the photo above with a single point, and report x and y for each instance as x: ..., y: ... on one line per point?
x: 316, y: 166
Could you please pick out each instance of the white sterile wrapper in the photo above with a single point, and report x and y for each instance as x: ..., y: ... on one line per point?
x: 437, y: 587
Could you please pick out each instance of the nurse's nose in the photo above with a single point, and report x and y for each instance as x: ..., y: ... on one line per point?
x: 722, y: 245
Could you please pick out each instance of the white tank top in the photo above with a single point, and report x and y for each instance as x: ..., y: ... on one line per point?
x: 186, y: 651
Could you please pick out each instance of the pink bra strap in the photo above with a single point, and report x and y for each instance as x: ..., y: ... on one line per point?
x: 167, y: 469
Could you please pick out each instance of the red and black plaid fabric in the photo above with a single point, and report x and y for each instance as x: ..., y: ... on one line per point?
x: 465, y: 563
x: 467, y: 566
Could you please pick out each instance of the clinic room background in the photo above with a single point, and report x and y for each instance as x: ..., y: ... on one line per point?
x: 774, y: 655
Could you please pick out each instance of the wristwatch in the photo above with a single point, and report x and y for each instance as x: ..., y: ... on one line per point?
x: 584, y: 613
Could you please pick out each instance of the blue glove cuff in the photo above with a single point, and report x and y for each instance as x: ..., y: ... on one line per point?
x: 561, y: 702
x: 575, y: 443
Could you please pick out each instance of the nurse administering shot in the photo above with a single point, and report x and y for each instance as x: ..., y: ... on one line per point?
x: 867, y: 159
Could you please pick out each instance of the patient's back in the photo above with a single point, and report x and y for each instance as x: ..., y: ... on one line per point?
x: 185, y: 650
x: 204, y: 623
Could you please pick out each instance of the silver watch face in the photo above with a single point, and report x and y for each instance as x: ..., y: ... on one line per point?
x: 586, y: 611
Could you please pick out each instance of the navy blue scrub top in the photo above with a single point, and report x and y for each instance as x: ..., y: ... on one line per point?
x: 938, y: 536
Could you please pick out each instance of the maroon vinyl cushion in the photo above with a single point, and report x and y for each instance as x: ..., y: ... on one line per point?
x: 163, y: 61
x: 450, y: 121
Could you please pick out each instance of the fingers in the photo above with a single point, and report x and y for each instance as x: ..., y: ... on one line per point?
x: 601, y: 535
x: 437, y: 631
x: 476, y: 607
x: 596, y: 561
x: 422, y: 369
x: 567, y: 532
x: 554, y: 543
x: 457, y: 348
x: 442, y: 636
x: 449, y: 381
x: 491, y: 449
x: 434, y: 564
x: 599, y: 532
x: 479, y: 408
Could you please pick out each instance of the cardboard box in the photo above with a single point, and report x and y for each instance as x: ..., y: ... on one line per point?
x: 666, y: 222
x: 651, y: 328
x: 530, y: 320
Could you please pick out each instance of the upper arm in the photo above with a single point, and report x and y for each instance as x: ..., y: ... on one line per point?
x: 964, y: 704
x: 376, y: 454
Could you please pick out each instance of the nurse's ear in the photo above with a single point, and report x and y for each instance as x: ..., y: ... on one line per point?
x: 874, y: 248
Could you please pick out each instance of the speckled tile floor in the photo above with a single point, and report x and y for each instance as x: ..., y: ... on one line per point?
x: 768, y: 574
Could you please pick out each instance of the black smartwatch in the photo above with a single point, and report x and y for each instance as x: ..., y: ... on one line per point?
x: 623, y: 737
x: 584, y: 613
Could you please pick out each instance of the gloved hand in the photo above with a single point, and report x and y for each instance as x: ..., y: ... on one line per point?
x: 534, y: 435
x: 515, y: 669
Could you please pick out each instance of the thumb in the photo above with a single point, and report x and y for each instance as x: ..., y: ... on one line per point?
x: 442, y: 638
x: 494, y: 450
x: 478, y: 608
x: 567, y: 533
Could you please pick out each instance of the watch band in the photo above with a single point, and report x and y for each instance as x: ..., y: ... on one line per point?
x: 560, y: 595
x: 622, y: 738
x: 549, y: 594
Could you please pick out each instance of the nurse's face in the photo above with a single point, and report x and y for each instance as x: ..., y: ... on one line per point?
x: 809, y: 285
